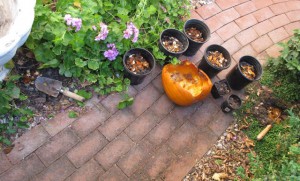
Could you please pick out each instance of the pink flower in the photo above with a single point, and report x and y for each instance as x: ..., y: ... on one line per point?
x: 68, y: 19
x: 131, y: 30
x: 128, y: 33
x: 136, y: 35
x: 94, y: 27
x: 76, y: 23
x: 103, y: 33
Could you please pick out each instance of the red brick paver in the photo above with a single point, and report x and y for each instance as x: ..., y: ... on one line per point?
x: 90, y: 171
x: 86, y: 149
x: 57, y: 146
x: 4, y: 163
x: 24, y: 170
x: 59, y: 171
x: 28, y: 143
x: 114, y: 150
x: 153, y: 139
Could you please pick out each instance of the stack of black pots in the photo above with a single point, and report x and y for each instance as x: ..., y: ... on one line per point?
x: 235, y: 79
x: 190, y: 47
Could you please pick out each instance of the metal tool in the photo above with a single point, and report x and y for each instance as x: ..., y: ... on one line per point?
x: 54, y: 87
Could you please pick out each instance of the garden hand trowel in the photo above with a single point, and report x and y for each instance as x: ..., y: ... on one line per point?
x: 54, y: 87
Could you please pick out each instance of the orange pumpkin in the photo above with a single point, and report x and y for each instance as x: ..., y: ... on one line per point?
x: 184, y: 83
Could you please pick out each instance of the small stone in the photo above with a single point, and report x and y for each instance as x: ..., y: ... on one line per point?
x: 219, y: 146
x: 40, y: 100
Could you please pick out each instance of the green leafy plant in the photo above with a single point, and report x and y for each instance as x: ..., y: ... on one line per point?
x: 127, y: 101
x: 81, y: 48
x: 11, y: 116
x: 288, y: 170
x: 242, y: 173
x: 290, y: 55
x: 282, y: 74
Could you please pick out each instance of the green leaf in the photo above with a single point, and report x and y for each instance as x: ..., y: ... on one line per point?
x: 6, y: 141
x: 23, y: 97
x: 10, y: 64
x: 15, y: 92
x: 22, y: 125
x: 12, y: 78
x: 80, y: 63
x: 73, y: 114
x: 10, y: 131
x: 86, y: 95
x: 92, y: 64
x: 122, y: 105
x: 57, y: 49
x: 128, y: 101
x: 68, y: 73
x: 53, y: 64
x: 151, y: 10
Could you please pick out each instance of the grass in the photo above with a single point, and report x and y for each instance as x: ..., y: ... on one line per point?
x: 274, y: 157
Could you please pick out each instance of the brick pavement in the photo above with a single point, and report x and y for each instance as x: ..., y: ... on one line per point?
x: 153, y: 139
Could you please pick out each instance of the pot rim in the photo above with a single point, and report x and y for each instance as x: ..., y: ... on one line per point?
x: 255, y: 61
x: 186, y: 39
x: 236, y: 96
x: 139, y: 49
x: 223, y: 81
x: 221, y: 47
x: 203, y: 24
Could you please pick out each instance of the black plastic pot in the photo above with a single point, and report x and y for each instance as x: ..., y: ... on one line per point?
x: 220, y: 88
x: 176, y: 34
x: 194, y: 45
x: 227, y: 106
x: 138, y: 78
x: 209, y: 68
x: 237, y: 80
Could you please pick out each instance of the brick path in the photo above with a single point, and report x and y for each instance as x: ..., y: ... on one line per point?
x: 153, y: 139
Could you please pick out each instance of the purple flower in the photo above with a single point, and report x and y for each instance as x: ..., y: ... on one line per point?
x: 131, y: 30
x: 112, y: 53
x: 76, y: 23
x: 94, y: 27
x: 68, y: 19
x: 111, y: 45
x: 103, y: 33
x: 128, y: 33
x: 136, y: 35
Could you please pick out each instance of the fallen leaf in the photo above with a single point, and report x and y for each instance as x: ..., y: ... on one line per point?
x: 249, y: 143
x: 77, y: 3
x: 229, y: 136
x: 29, y: 55
x: 219, y: 176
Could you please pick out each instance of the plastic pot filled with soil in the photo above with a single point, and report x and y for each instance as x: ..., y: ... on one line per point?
x: 173, y: 42
x: 246, y: 71
x: 233, y: 102
x: 138, y: 63
x: 216, y: 58
x: 197, y: 33
x: 220, y: 88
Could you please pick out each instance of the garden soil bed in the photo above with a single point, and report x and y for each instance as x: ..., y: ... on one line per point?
x: 43, y: 106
